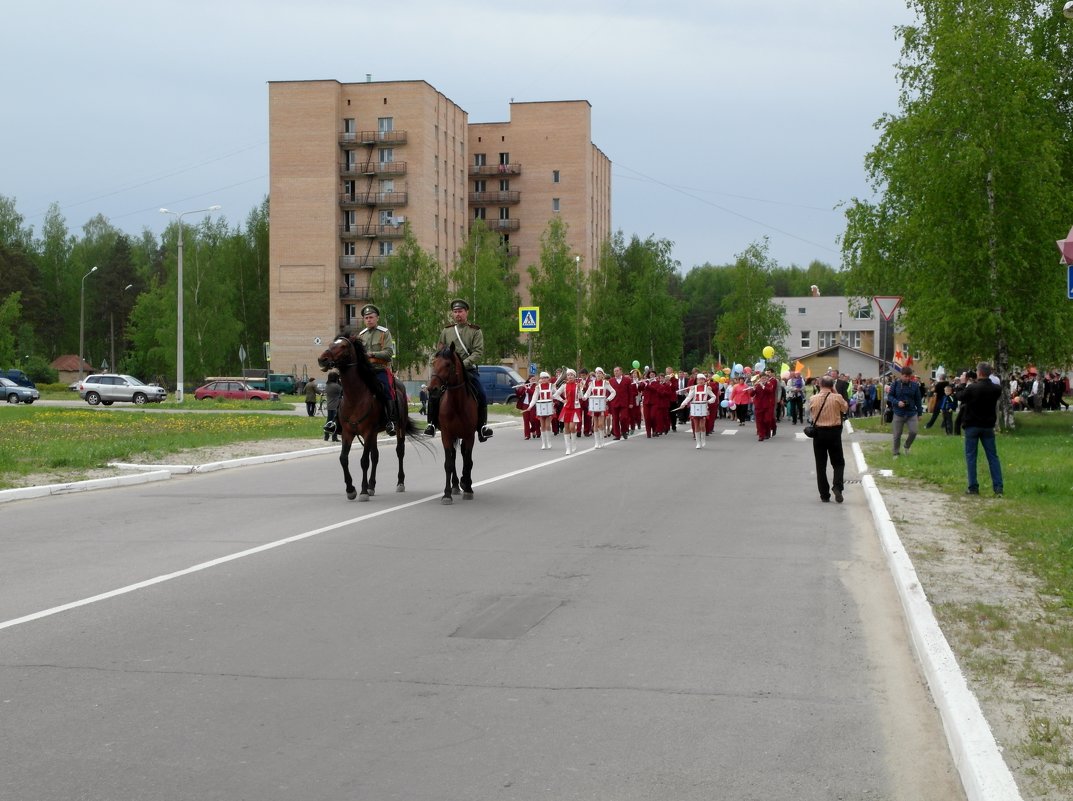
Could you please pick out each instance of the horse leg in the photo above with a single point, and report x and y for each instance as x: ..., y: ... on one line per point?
x: 374, y: 460
x: 400, y: 452
x: 364, y: 496
x: 448, y: 471
x: 344, y: 460
x: 467, y: 468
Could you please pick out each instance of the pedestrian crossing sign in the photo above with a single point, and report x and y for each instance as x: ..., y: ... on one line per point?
x: 528, y: 319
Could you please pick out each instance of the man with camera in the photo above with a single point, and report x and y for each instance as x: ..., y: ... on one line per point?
x: 979, y: 414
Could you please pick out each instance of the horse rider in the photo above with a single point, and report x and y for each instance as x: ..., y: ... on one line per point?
x: 468, y: 340
x: 380, y: 348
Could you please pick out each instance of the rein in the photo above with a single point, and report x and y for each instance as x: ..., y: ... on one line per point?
x: 453, y: 375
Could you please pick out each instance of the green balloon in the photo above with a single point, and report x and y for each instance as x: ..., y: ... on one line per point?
x: 636, y: 364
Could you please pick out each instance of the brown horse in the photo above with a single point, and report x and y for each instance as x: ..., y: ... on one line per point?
x: 362, y: 415
x: 457, y: 419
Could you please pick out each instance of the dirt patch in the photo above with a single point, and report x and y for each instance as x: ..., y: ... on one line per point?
x: 1014, y: 644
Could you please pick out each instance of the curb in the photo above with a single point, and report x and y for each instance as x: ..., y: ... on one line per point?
x: 985, y: 776
x: 23, y: 493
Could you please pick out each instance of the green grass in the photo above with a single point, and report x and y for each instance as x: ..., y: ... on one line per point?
x: 1035, y: 516
x: 37, y: 439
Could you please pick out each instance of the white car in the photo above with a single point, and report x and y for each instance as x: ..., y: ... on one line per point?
x: 13, y: 393
x: 107, y: 388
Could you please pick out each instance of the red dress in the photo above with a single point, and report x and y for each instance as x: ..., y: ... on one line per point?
x: 571, y: 399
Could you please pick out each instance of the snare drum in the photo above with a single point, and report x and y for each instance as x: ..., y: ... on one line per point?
x: 545, y: 408
x: 597, y: 404
x: 698, y: 410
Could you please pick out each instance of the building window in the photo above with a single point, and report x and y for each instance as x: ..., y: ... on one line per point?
x: 806, y: 339
x: 349, y: 220
x: 504, y: 158
x: 504, y: 184
x: 386, y: 154
x: 479, y: 213
x: 852, y: 339
x: 555, y: 204
x: 387, y: 185
x: 387, y: 248
x: 863, y: 313
x: 479, y: 160
x: 801, y: 310
x: 348, y: 125
x: 350, y: 248
x: 555, y: 176
x: 387, y: 216
x: 385, y: 124
x: 504, y: 213
x: 826, y: 339
x: 479, y: 186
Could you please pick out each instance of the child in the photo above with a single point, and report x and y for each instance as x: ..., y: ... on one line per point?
x: 947, y: 406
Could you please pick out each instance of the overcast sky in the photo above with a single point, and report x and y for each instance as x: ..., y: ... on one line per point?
x: 725, y: 120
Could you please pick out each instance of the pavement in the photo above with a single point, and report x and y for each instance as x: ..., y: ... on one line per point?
x: 984, y: 774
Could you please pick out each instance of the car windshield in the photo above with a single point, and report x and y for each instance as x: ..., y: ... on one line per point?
x: 132, y: 380
x: 7, y: 382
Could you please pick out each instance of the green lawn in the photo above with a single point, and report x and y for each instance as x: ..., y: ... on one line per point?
x: 1035, y: 516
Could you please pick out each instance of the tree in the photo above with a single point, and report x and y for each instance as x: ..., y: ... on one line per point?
x: 751, y: 321
x: 485, y: 274
x: 10, y: 309
x: 972, y: 177
x: 412, y: 296
x: 555, y: 286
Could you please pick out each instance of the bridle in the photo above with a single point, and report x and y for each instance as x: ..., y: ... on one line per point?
x: 332, y: 363
x: 453, y: 381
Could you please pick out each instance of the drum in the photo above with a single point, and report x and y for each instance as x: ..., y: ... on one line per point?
x: 698, y: 410
x: 598, y: 404
x: 545, y: 408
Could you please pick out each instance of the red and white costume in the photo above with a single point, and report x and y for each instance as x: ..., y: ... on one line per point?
x: 698, y: 400
x: 599, y: 393
x: 544, y: 401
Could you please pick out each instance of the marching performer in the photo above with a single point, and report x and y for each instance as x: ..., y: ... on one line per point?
x: 569, y: 393
x: 599, y: 394
x: 543, y: 401
x: 698, y: 399
x: 764, y: 394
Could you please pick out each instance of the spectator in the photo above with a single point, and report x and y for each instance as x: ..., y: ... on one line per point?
x: 979, y: 412
x: 907, y: 405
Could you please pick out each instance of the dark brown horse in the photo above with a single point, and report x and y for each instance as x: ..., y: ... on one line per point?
x: 362, y: 415
x: 457, y: 419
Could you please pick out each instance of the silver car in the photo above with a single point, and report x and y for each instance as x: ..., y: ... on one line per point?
x: 107, y: 388
x: 13, y: 393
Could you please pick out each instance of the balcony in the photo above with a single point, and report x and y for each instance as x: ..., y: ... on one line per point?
x: 503, y: 225
x: 372, y: 168
x: 494, y: 198
x: 348, y: 200
x: 361, y: 262
x: 356, y: 293
x: 357, y: 138
x: 352, y: 232
x: 495, y: 169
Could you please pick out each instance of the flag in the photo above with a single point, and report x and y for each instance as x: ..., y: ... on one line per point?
x: 798, y: 366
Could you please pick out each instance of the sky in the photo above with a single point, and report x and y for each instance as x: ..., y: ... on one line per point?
x: 726, y: 121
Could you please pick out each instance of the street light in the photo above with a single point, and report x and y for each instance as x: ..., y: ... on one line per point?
x: 179, y: 300
x: 111, y: 325
x: 577, y: 327
x: 82, y: 323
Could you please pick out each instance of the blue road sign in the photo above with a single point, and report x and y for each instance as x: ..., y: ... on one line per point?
x: 1069, y: 282
x: 529, y: 319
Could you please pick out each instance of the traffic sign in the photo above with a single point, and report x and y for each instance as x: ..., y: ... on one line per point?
x: 1069, y: 282
x: 528, y: 319
x: 887, y: 304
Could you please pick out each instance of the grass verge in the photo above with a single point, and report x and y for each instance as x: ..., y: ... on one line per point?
x: 1034, y: 516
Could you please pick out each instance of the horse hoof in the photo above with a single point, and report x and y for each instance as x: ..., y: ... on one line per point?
x: 351, y: 495
x: 372, y: 492
x: 363, y: 497
x: 400, y: 488
x: 447, y: 500
x: 467, y: 496
x: 456, y: 492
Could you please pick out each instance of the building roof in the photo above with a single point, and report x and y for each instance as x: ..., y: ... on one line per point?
x: 69, y: 363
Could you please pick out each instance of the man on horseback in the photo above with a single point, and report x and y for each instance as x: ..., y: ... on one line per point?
x: 380, y: 348
x: 468, y: 340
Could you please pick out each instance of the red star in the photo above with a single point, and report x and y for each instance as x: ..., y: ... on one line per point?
x: 1066, y: 247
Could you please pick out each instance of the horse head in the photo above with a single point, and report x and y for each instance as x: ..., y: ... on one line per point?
x: 447, y: 371
x: 338, y: 355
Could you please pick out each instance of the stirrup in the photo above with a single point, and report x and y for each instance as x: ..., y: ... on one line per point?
x: 389, y: 428
x: 329, y: 427
x: 430, y: 430
x: 484, y: 433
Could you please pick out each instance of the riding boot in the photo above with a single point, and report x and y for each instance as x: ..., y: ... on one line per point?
x: 433, y: 415
x: 392, y: 414
x: 483, y: 431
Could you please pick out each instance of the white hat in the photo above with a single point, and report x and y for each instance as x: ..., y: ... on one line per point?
x: 571, y: 371
x: 598, y: 370
x: 702, y: 377
x: 544, y: 374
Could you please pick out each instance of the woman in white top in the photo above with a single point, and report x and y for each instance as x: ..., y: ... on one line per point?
x: 699, y: 398
x: 599, y: 394
x: 544, y: 401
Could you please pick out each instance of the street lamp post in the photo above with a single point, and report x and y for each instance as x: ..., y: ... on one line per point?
x: 111, y: 321
x: 82, y: 323
x: 179, y: 301
x: 577, y: 327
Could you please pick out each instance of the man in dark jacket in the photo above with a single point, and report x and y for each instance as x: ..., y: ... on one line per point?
x: 979, y: 405
x: 907, y: 404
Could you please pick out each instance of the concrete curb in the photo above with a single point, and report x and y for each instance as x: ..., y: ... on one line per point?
x: 23, y: 493
x: 984, y: 773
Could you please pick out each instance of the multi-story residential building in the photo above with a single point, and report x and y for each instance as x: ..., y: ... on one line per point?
x: 351, y: 163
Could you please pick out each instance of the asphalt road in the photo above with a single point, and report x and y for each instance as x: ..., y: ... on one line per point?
x: 648, y: 621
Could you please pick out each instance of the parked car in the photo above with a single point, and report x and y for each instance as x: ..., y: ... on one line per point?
x: 107, y: 388
x: 277, y: 382
x: 499, y: 382
x: 19, y: 377
x: 236, y: 390
x: 13, y: 393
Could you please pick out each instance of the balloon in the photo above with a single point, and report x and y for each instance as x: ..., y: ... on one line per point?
x: 636, y: 364
x: 768, y: 352
x: 737, y: 369
x: 785, y: 374
x: 748, y: 371
x: 785, y: 368
x: 724, y: 404
x: 760, y: 366
x: 732, y: 405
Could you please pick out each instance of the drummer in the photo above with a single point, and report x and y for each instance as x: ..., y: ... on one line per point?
x: 599, y: 394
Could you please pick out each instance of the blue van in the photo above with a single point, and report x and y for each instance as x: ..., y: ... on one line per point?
x: 19, y: 377
x: 499, y: 382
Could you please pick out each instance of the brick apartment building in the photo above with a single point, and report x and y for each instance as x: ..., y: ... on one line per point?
x: 349, y: 163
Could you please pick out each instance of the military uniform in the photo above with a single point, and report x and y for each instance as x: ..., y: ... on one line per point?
x: 380, y: 350
x: 468, y: 340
